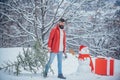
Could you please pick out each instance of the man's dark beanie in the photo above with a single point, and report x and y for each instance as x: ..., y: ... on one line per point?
x: 62, y: 20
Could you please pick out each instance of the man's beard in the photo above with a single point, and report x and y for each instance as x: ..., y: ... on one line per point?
x: 61, y: 26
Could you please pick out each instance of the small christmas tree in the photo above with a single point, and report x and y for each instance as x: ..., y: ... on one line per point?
x: 32, y: 60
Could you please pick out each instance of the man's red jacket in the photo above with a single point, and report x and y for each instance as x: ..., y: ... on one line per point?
x: 54, y: 39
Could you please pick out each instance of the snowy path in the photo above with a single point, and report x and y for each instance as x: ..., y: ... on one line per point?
x: 69, y: 69
x: 74, y: 76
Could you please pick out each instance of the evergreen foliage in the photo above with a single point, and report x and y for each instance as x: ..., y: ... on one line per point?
x: 31, y: 60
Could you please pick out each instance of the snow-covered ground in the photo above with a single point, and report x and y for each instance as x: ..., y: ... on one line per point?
x: 70, y: 66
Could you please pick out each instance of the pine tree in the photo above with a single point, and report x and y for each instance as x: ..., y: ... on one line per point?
x: 32, y: 60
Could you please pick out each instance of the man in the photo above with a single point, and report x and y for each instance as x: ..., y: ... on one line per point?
x: 56, y: 46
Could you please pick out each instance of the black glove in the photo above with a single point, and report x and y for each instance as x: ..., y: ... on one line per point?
x: 65, y: 56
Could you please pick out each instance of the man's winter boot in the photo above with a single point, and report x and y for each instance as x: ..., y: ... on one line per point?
x: 61, y: 76
x: 44, y: 74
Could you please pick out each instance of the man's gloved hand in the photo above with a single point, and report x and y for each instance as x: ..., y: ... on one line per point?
x: 65, y: 56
